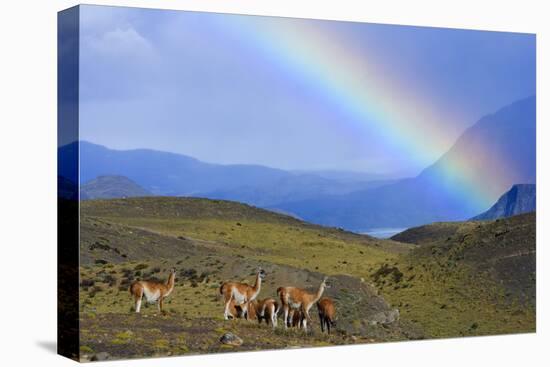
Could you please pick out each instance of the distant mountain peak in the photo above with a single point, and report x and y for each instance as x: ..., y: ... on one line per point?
x: 110, y: 187
x: 521, y: 198
x: 497, y: 152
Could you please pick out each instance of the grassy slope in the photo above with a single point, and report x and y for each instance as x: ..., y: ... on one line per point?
x: 243, y: 230
x: 209, y: 241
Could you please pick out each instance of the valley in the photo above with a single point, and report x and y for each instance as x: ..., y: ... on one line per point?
x: 454, y: 187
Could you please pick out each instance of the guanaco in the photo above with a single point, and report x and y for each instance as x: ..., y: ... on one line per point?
x: 327, y: 312
x: 236, y: 312
x: 152, y: 290
x: 299, y: 299
x: 241, y: 293
x: 266, y: 309
x: 295, y: 318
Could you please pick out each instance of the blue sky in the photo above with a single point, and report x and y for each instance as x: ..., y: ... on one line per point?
x: 212, y: 86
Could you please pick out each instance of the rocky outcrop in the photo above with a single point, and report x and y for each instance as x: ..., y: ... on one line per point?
x: 518, y: 200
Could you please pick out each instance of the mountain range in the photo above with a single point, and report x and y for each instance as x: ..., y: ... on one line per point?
x: 169, y: 174
x: 353, y: 201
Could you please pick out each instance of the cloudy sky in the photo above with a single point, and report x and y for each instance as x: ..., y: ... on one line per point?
x: 291, y: 93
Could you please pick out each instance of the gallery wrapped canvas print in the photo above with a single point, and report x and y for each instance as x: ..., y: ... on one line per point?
x: 232, y: 183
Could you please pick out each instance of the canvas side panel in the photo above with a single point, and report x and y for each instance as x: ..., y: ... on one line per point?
x: 67, y: 177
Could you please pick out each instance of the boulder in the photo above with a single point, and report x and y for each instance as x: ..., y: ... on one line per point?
x: 231, y: 339
x: 101, y: 356
x: 384, y: 317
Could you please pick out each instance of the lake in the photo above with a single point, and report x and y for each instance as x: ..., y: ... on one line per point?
x: 383, y: 232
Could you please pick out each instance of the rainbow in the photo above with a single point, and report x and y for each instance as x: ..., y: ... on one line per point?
x: 397, y: 111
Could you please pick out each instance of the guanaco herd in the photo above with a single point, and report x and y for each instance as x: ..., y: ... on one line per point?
x: 240, y: 301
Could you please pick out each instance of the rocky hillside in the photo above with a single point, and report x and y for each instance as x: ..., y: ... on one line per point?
x: 518, y: 200
x: 502, y: 249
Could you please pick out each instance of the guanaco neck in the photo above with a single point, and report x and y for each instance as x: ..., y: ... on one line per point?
x: 171, y: 280
x: 319, y: 292
x: 257, y: 284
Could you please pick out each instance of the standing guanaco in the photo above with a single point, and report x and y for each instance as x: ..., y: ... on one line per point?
x: 299, y: 299
x: 267, y: 309
x: 295, y: 318
x: 327, y: 313
x: 152, y: 290
x: 241, y: 293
